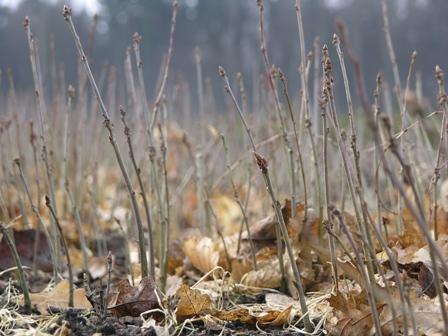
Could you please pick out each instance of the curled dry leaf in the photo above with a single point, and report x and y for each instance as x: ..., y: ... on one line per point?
x: 240, y: 266
x: 307, y: 273
x: 240, y: 315
x: 58, y: 298
x: 426, y: 281
x: 202, y: 253
x: 417, y: 263
x: 228, y: 214
x: 275, y: 318
x: 346, y: 305
x: 411, y: 236
x: 359, y: 323
x: 268, y: 275
x: 297, y: 228
x: 271, y: 318
x: 265, y: 228
x: 192, y: 302
x: 132, y: 301
x: 353, y: 313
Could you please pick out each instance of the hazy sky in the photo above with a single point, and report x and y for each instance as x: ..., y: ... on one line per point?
x: 93, y: 6
x: 90, y: 6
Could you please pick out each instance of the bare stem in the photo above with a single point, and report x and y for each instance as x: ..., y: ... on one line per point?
x: 436, y: 176
x: 15, y: 255
x: 219, y: 232
x: 197, y: 57
x: 65, y: 247
x: 42, y: 110
x: 354, y: 191
x: 296, y: 137
x: 262, y: 164
x: 396, y: 74
x: 326, y: 130
x: 240, y: 204
x: 109, y: 126
x: 166, y: 219
x: 166, y: 68
x: 127, y: 132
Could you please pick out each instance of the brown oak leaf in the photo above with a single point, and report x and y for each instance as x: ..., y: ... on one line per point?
x: 134, y: 300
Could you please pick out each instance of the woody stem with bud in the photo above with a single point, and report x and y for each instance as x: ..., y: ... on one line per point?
x: 443, y: 101
x: 263, y: 166
x: 109, y: 126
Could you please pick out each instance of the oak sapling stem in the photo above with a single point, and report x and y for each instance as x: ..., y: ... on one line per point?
x: 42, y: 114
x: 237, y: 198
x: 165, y: 236
x: 109, y: 126
x: 354, y: 186
x: 443, y: 102
x: 263, y: 166
x: 127, y: 133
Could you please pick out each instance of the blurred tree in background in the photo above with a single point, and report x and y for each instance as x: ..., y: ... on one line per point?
x: 227, y: 34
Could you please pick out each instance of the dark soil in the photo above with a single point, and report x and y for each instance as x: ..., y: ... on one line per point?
x: 82, y: 325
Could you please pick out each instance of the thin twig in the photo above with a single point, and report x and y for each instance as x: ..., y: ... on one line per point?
x: 109, y: 126
x: 263, y: 166
x: 15, y: 255
x: 237, y: 198
x: 65, y: 247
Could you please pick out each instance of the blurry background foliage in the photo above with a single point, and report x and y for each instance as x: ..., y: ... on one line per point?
x: 227, y: 34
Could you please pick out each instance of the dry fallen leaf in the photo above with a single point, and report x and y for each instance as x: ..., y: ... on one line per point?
x: 25, y: 242
x: 275, y: 318
x: 354, y: 301
x: 173, y: 283
x: 192, y: 302
x: 359, y: 323
x: 265, y: 228
x: 58, y: 298
x: 202, y: 253
x: 175, y: 256
x: 132, y: 301
x: 240, y: 267
x: 237, y: 315
x: 271, y: 318
x: 98, y: 266
x: 276, y: 301
x: 228, y: 213
x: 268, y: 275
